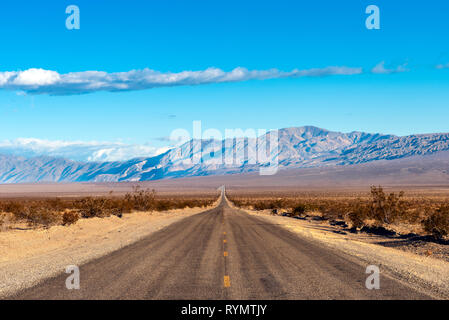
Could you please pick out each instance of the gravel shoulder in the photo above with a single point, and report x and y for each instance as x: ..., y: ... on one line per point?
x: 29, y: 256
x: 423, y: 273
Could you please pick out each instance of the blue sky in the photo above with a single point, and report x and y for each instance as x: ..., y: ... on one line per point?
x: 175, y: 36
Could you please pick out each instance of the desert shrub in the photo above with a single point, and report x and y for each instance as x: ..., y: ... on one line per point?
x: 70, y: 217
x: 126, y: 204
x: 269, y: 204
x: 92, y: 207
x: 260, y: 205
x: 358, y: 215
x: 42, y: 215
x: 299, y: 210
x: 437, y: 224
x: 48, y: 212
x: 142, y: 200
x: 374, y: 209
x: 55, y: 204
x: 163, y: 205
x: 332, y: 211
x: 16, y: 208
x: 386, y: 209
x: 414, y: 215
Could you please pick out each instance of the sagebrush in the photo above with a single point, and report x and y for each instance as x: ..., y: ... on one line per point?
x: 377, y: 208
x: 48, y: 212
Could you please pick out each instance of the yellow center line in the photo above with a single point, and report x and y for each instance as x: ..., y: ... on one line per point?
x: 225, y: 254
x: 224, y: 233
x: 227, y: 282
x: 224, y: 241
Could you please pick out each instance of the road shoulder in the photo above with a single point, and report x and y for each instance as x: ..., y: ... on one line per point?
x: 30, y: 256
x: 419, y: 272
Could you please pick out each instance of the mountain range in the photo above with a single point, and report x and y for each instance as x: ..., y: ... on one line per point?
x: 299, y: 147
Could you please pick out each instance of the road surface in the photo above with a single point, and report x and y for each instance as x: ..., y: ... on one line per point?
x: 222, y: 253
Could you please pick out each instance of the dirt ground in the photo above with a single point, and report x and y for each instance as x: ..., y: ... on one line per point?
x: 410, y: 263
x: 28, y: 256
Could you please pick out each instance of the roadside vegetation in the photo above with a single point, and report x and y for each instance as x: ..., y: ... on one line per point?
x: 63, y: 211
x: 377, y: 212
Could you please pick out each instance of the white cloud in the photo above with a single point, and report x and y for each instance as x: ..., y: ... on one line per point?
x: 78, y: 150
x: 380, y: 69
x: 40, y: 81
x: 36, y: 78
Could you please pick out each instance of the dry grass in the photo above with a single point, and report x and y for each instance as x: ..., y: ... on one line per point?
x: 424, y: 214
x: 60, y: 211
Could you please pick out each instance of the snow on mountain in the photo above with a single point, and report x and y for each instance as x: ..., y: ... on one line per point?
x: 297, y: 147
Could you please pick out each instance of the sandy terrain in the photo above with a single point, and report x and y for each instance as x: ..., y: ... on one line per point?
x: 28, y: 256
x: 428, y: 173
x: 424, y: 273
x: 171, y: 188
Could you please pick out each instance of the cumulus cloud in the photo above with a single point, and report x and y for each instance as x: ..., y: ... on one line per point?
x: 40, y: 81
x: 78, y: 150
x: 380, y: 69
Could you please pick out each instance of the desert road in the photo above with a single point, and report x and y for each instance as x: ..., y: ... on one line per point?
x: 222, y: 253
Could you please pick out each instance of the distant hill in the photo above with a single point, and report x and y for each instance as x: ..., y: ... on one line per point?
x: 302, y: 147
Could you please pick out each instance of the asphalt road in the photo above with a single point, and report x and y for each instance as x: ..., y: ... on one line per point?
x: 222, y: 253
